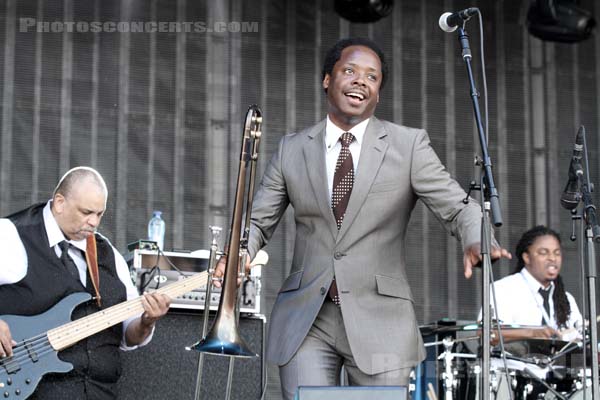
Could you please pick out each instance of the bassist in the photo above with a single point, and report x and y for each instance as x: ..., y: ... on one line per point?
x: 45, y: 257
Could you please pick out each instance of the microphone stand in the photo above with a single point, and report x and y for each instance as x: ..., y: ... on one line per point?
x: 592, y: 231
x: 491, y: 201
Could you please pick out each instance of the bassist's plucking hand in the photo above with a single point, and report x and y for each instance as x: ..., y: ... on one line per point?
x: 6, y: 341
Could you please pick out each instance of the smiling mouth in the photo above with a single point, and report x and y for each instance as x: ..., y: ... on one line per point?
x: 355, y: 95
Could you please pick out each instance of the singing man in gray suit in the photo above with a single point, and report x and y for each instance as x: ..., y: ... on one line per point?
x: 353, y: 181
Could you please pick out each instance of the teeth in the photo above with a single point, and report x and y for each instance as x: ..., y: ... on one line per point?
x: 357, y: 95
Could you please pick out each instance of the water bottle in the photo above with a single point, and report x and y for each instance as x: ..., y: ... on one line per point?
x: 156, y: 229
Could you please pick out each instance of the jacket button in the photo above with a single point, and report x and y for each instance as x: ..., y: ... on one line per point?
x: 338, y: 255
x: 323, y: 290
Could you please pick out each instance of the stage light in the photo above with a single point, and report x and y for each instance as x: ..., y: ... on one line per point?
x: 363, y: 10
x: 559, y: 21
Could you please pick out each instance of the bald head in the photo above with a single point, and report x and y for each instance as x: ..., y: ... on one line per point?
x: 79, y: 202
x: 76, y: 176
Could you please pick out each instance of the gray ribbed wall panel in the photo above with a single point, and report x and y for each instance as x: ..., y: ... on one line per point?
x: 160, y: 114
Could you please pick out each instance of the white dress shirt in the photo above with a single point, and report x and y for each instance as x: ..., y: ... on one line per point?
x: 333, y: 146
x: 14, y: 256
x: 520, y: 303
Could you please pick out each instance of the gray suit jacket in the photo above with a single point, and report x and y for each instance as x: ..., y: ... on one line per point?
x: 397, y: 166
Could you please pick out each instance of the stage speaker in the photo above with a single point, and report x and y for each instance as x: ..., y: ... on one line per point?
x: 352, y: 393
x: 163, y: 369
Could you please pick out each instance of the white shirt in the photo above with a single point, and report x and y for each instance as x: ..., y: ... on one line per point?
x: 14, y: 264
x: 520, y: 303
x: 333, y: 146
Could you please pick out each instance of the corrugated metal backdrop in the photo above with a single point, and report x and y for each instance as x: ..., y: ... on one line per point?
x: 159, y: 115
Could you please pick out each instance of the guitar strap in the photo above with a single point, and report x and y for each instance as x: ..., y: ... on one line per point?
x: 91, y: 258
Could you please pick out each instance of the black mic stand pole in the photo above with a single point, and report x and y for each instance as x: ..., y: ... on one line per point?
x: 592, y: 231
x: 490, y: 201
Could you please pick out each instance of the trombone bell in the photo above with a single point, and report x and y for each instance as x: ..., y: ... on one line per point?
x: 224, y: 339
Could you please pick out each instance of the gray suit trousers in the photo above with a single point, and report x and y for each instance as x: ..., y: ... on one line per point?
x: 322, y: 354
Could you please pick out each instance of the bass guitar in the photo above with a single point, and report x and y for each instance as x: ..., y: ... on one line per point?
x: 39, y: 338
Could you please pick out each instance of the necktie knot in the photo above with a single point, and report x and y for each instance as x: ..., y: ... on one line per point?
x: 346, y: 139
x: 64, y: 246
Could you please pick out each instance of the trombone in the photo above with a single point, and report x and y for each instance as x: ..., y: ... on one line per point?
x: 224, y: 338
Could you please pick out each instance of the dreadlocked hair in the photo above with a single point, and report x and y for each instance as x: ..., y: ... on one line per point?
x: 562, y: 310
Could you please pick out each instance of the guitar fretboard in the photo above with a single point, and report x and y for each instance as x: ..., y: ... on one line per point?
x: 71, y: 333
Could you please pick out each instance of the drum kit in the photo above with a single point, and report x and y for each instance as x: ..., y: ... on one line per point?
x: 531, y: 368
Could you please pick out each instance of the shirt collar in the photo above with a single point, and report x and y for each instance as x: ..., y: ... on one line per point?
x: 333, y: 132
x: 55, y: 234
x: 533, y: 283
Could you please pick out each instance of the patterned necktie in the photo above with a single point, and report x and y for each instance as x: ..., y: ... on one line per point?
x: 66, y: 259
x: 546, y: 296
x: 343, y: 179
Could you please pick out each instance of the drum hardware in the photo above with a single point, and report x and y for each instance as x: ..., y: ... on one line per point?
x: 577, y: 391
x: 449, y: 376
x: 496, y: 380
x: 543, y: 368
x: 543, y: 361
x: 534, y: 359
x: 582, y: 379
x: 224, y: 338
x: 502, y: 383
x: 533, y: 376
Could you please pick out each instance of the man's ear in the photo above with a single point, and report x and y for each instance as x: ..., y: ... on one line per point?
x: 58, y: 203
x: 525, y: 258
x: 326, y: 81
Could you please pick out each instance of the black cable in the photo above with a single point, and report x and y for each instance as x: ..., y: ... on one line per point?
x: 147, y: 276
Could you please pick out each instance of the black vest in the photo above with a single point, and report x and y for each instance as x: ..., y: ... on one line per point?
x: 96, y: 360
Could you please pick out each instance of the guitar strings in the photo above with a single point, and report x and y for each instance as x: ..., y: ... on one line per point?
x: 21, y: 351
x: 92, y: 323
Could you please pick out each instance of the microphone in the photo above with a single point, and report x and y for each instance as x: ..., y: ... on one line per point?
x: 571, y: 195
x: 450, y: 21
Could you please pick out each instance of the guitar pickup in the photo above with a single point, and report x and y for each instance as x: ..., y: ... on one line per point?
x: 10, y: 365
x: 32, y: 354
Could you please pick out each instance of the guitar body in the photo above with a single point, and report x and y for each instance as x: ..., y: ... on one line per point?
x: 34, y: 357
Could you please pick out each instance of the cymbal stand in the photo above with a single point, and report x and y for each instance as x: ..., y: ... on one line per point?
x: 215, y: 232
x: 449, y: 376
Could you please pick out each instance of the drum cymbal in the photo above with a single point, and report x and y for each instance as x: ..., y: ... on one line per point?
x: 437, y: 328
x: 533, y: 347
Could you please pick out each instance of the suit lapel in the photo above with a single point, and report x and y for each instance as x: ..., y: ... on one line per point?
x: 314, y: 156
x: 371, y: 155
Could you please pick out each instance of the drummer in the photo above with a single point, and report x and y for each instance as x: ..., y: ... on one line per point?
x: 534, y: 296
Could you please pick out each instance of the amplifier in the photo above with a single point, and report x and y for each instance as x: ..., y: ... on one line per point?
x: 152, y: 270
x: 164, y: 370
